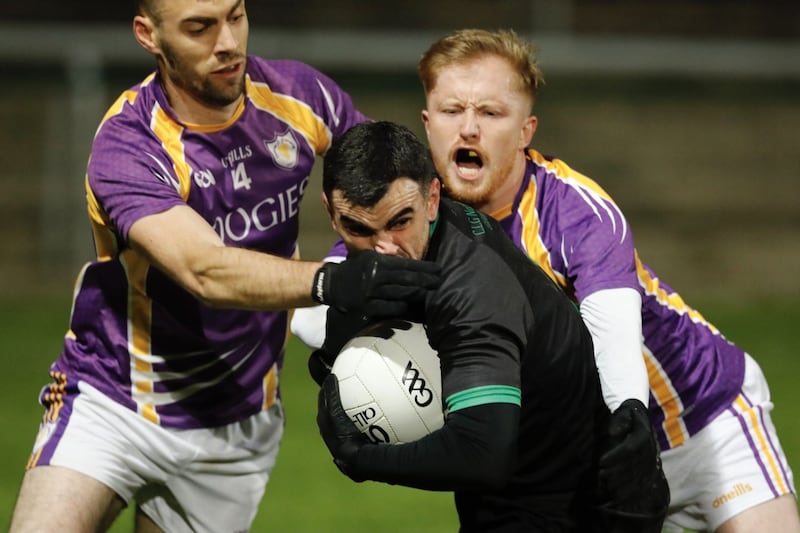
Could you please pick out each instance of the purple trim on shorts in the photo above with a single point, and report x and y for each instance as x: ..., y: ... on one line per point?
x: 743, y: 422
x: 773, y: 448
x: 57, y: 425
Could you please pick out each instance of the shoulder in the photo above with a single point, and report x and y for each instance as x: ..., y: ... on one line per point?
x: 260, y: 66
x: 471, y: 247
x: 465, y: 219
x: 284, y: 75
x: 555, y: 176
x: 127, y: 128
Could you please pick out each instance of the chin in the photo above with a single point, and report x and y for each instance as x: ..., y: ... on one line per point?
x: 465, y: 191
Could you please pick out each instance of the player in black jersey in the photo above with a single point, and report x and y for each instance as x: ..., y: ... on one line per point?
x: 524, y: 410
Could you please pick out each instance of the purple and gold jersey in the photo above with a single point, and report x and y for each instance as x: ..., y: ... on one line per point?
x: 577, y: 234
x: 135, y: 334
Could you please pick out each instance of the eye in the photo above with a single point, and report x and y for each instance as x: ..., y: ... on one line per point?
x: 357, y: 230
x: 399, y: 224
x: 197, y: 27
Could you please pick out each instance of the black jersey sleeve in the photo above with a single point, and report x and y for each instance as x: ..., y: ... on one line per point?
x: 474, y: 450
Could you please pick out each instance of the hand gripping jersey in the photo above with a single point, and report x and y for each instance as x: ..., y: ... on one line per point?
x: 577, y: 234
x: 134, y: 334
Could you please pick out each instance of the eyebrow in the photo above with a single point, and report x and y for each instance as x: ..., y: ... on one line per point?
x: 353, y: 224
x: 210, y: 20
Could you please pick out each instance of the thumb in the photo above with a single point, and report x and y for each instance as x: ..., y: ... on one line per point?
x: 621, y: 423
x: 330, y: 392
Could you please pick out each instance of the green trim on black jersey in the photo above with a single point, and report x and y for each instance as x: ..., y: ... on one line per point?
x: 433, y: 225
x: 484, y: 395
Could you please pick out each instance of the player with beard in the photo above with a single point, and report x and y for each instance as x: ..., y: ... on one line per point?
x: 166, y: 392
x: 523, y: 409
x: 659, y: 359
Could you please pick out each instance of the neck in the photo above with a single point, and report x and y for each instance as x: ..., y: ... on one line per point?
x: 190, y: 110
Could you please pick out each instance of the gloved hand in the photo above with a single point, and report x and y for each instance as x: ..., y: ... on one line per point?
x: 339, y: 328
x: 340, y: 434
x: 632, y: 488
x: 375, y: 284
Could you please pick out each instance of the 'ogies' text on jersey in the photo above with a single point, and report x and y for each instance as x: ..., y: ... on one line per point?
x: 180, y: 363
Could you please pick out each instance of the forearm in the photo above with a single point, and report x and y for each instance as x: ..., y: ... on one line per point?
x: 614, y: 318
x: 235, y: 277
x: 475, y: 450
x: 182, y: 245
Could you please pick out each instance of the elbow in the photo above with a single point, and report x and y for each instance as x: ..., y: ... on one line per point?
x: 496, y: 470
x: 487, y: 437
x: 203, y: 289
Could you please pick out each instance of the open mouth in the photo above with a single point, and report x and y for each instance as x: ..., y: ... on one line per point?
x: 228, y: 70
x: 468, y: 161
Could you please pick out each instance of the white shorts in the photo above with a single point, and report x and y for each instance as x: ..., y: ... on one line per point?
x: 184, y: 480
x: 734, y: 463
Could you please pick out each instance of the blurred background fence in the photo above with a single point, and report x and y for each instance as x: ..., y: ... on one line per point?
x: 687, y: 112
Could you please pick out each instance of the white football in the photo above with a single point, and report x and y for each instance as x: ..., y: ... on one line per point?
x: 390, y: 382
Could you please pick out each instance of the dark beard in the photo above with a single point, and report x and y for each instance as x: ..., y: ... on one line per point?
x: 200, y: 89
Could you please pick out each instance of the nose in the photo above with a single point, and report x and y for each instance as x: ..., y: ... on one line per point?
x: 470, y: 128
x: 226, y: 40
x: 383, y: 242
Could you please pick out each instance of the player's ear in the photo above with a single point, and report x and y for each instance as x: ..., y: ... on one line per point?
x: 434, y: 194
x: 528, y: 129
x: 144, y: 33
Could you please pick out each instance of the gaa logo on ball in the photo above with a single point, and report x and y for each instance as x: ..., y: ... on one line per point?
x: 390, y: 382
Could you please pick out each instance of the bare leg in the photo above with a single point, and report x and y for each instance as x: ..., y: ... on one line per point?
x: 776, y: 515
x: 53, y: 499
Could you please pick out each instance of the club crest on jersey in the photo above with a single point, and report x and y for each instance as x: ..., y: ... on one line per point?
x: 283, y: 150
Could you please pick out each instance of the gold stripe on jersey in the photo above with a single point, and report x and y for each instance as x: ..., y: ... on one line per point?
x: 170, y: 134
x: 763, y: 448
x: 127, y: 97
x: 140, y: 321
x: 140, y: 305
x: 665, y: 394
x: 668, y: 400
x: 105, y: 241
x: 652, y: 287
x: 531, y: 240
x: 270, y: 390
x: 563, y: 171
x: 76, y: 288
x: 294, y: 112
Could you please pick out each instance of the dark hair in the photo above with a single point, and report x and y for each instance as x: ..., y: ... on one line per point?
x: 148, y: 8
x: 364, y: 161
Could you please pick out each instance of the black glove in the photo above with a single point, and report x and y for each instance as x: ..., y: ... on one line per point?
x: 340, y: 434
x: 375, y: 284
x: 339, y: 328
x: 632, y: 489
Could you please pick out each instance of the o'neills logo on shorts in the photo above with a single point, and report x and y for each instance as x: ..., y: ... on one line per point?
x: 738, y: 490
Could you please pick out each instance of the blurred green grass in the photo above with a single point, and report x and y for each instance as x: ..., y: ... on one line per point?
x: 307, y: 493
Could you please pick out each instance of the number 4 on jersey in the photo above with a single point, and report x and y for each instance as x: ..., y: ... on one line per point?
x: 240, y: 178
